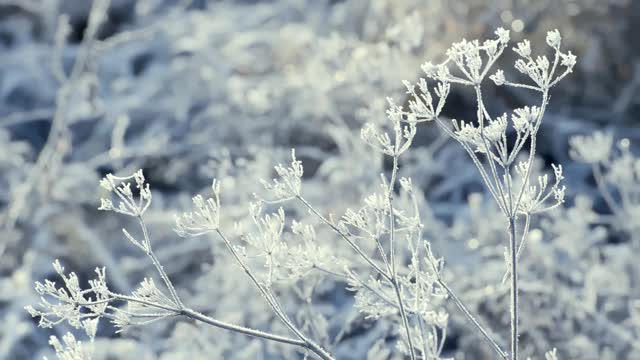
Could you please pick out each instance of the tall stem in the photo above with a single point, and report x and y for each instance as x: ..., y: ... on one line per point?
x: 514, y: 288
x: 392, y: 245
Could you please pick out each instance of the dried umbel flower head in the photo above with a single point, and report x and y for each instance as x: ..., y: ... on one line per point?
x: 592, y: 149
x: 206, y: 215
x: 485, y: 139
x: 130, y: 202
x: 76, y: 306
x: 289, y: 182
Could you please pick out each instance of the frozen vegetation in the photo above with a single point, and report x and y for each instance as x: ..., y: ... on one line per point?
x: 323, y: 179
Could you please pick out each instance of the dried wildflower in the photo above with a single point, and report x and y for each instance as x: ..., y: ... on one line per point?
x: 129, y: 203
x: 206, y: 215
x: 288, y: 185
x: 592, y: 149
x: 554, y: 39
x: 498, y: 77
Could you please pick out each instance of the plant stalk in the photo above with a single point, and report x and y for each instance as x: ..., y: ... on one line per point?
x: 514, y: 288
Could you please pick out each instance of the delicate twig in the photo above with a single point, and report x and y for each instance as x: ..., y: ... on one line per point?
x: 473, y: 320
x: 394, y: 275
x: 346, y: 237
x: 158, y: 266
x: 273, y: 303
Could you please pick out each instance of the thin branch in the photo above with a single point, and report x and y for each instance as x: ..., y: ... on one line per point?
x: 473, y: 320
x: 156, y: 263
x: 273, y: 302
x: 394, y: 274
x: 243, y: 330
x: 346, y: 237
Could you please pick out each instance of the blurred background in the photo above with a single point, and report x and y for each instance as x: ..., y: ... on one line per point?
x: 192, y: 90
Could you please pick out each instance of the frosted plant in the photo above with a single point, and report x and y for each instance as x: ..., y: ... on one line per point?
x: 486, y: 138
x: 400, y: 283
x: 303, y: 84
x: 386, y: 286
x: 83, y: 308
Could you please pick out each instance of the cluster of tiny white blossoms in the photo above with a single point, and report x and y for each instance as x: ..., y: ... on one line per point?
x: 539, y: 69
x: 206, y: 216
x: 70, y: 348
x: 79, y: 308
x: 121, y: 187
x: 489, y: 135
x: 290, y: 180
x: 535, y: 197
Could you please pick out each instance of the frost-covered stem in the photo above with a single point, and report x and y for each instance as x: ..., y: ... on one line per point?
x: 240, y: 329
x: 514, y: 288
x: 473, y: 320
x: 492, y: 165
x: 532, y: 149
x: 383, y: 255
x: 273, y: 303
x: 524, y: 86
x: 394, y: 275
x: 443, y: 337
x: 221, y: 324
x: 134, y: 299
x: 423, y: 337
x: 321, y: 353
x: 355, y: 247
x: 523, y: 239
x: 474, y: 158
x: 156, y: 263
x: 403, y: 315
x: 525, y: 232
x: 392, y: 222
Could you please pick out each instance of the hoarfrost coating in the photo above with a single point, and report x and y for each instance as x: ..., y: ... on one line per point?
x: 389, y: 248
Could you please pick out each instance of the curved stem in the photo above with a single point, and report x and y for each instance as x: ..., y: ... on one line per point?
x: 240, y: 329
